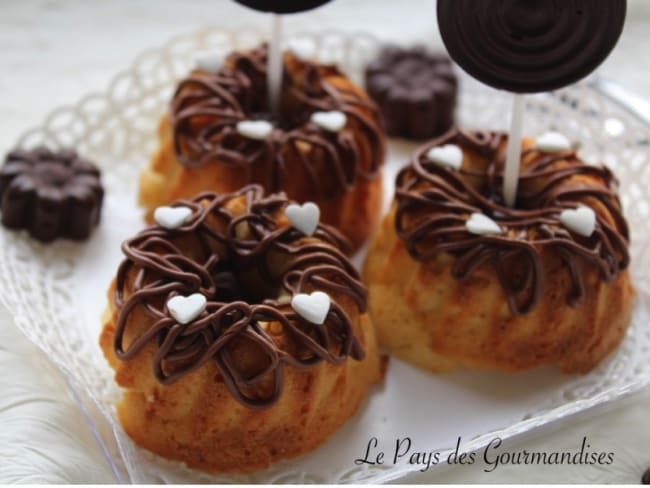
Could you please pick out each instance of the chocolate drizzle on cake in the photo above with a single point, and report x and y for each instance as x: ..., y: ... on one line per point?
x: 248, y: 267
x: 434, y: 202
x: 207, y: 107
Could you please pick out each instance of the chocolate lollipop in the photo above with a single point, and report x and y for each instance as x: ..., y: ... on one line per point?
x: 528, y: 46
x: 282, y: 6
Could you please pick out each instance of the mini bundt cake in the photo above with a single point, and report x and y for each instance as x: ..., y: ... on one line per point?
x: 237, y: 328
x: 325, y: 145
x: 458, y: 280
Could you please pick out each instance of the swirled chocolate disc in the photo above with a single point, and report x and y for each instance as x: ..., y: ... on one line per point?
x: 530, y: 45
x: 282, y: 6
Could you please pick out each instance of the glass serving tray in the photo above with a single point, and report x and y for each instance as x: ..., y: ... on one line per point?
x: 58, y: 292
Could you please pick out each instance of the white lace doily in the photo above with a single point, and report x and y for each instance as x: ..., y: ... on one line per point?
x: 57, y: 292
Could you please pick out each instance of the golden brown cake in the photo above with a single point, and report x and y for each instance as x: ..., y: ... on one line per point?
x: 237, y: 328
x: 458, y: 280
x: 325, y: 145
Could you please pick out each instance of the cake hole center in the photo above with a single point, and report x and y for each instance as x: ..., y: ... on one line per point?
x: 293, y: 111
x: 236, y: 284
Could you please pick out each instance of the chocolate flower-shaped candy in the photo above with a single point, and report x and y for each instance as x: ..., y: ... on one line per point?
x: 415, y: 91
x: 50, y: 194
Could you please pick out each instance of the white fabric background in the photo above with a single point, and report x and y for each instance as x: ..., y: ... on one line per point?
x: 53, y: 51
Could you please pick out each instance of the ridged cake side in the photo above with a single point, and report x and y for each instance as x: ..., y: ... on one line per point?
x: 429, y: 318
x: 199, y: 422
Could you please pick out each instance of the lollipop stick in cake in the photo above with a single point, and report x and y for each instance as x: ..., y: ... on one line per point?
x: 513, y: 152
x: 528, y: 46
x: 274, y: 62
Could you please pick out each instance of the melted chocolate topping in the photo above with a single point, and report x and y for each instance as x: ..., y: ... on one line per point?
x: 207, y: 107
x: 434, y: 202
x: 237, y: 313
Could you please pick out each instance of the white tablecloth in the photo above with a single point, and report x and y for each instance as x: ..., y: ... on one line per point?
x: 55, y: 50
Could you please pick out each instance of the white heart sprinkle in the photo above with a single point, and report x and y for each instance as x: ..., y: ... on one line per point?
x: 332, y: 121
x: 171, y: 217
x: 303, y: 217
x: 447, y: 155
x: 255, y: 129
x: 186, y: 309
x: 552, y: 141
x: 481, y: 224
x: 303, y: 49
x: 209, y: 61
x: 581, y: 220
x: 313, y: 308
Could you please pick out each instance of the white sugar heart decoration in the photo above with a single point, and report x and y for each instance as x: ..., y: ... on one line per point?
x: 303, y: 49
x: 581, y: 220
x: 552, y: 141
x: 255, y: 129
x: 481, y: 224
x: 448, y: 155
x: 303, y: 217
x: 313, y: 307
x: 186, y: 309
x: 171, y: 217
x: 209, y: 61
x: 332, y: 121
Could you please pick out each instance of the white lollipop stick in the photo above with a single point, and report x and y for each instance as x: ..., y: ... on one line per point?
x: 274, y: 64
x: 513, y: 152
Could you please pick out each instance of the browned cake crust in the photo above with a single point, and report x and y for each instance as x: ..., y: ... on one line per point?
x: 443, y: 298
x: 340, y: 171
x: 247, y: 383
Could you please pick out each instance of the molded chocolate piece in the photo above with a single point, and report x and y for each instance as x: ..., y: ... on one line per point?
x: 50, y: 194
x: 415, y: 90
